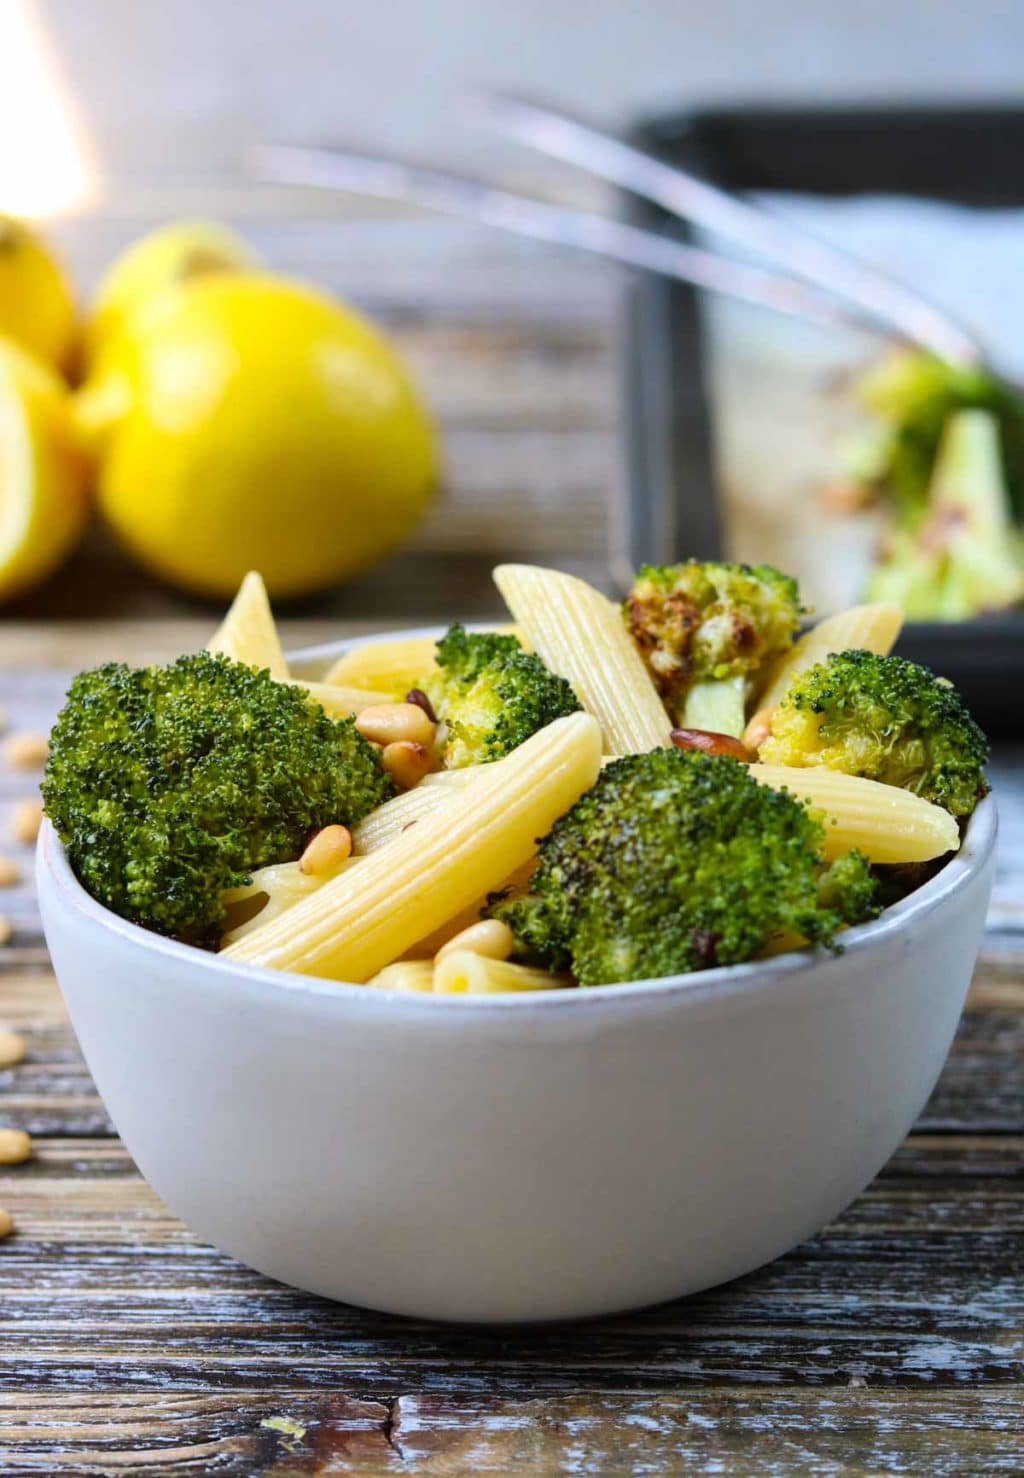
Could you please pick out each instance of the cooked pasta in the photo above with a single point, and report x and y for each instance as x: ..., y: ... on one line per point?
x: 390, y: 820
x: 391, y: 667
x: 407, y: 977
x: 430, y: 945
x: 338, y: 701
x: 463, y: 973
x: 581, y: 636
x: 248, y: 633
x: 272, y: 890
x: 360, y: 922
x: 885, y: 823
x: 873, y: 628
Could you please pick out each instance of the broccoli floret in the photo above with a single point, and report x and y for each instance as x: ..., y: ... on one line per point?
x: 706, y: 630
x: 887, y: 719
x: 965, y: 557
x: 913, y: 396
x: 491, y: 695
x: 678, y: 861
x: 169, y: 785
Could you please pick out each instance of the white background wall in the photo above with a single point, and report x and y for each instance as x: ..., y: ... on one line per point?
x: 179, y: 88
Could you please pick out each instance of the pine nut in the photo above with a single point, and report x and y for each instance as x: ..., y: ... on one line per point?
x: 419, y: 697
x: 6, y: 1224
x: 331, y: 845
x: 406, y: 762
x: 490, y: 938
x: 6, y: 930
x: 12, y: 1049
x: 759, y: 728
x: 708, y: 742
x: 15, y: 1146
x: 395, y: 723
x: 26, y: 751
x: 26, y: 818
x: 10, y: 872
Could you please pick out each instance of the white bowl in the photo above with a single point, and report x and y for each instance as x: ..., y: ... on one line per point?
x: 526, y: 1157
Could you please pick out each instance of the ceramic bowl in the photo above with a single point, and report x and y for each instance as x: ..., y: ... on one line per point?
x: 516, y: 1158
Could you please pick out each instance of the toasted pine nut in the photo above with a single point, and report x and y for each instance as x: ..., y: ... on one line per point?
x: 6, y: 930
x: 15, y: 1146
x: 708, y: 742
x: 10, y: 872
x: 26, y: 818
x: 331, y: 845
x: 419, y: 697
x: 406, y: 762
x: 12, y: 1048
x: 6, y: 1224
x: 395, y: 723
x: 26, y: 751
x: 490, y: 938
x: 759, y: 728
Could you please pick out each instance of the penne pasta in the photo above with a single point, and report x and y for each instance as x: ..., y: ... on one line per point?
x: 337, y: 701
x: 391, y: 667
x: 272, y: 890
x: 407, y: 977
x: 248, y: 633
x: 463, y: 973
x: 357, y: 923
x: 884, y: 822
x: 390, y: 820
x: 518, y: 882
x: 581, y: 636
x: 873, y: 628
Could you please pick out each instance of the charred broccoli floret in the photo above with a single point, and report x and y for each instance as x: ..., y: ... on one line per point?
x: 705, y: 630
x: 169, y: 785
x: 887, y: 719
x: 491, y: 695
x: 680, y: 861
x: 964, y: 556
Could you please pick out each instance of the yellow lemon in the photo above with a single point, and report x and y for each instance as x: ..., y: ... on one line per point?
x: 43, y: 472
x: 37, y: 310
x: 245, y: 422
x: 164, y: 258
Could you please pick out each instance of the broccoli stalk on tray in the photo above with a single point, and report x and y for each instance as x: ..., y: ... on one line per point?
x: 491, y: 696
x: 884, y: 718
x: 706, y: 632
x: 963, y: 556
x: 680, y: 861
x: 170, y: 785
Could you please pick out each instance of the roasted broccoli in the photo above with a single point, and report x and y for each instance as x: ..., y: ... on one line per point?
x: 169, y: 785
x: 887, y: 719
x: 706, y: 630
x: 491, y: 696
x: 913, y: 395
x: 679, y: 861
x: 964, y: 556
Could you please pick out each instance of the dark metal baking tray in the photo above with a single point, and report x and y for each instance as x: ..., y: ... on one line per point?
x: 969, y: 155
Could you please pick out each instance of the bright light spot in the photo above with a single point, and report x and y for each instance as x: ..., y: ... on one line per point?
x: 42, y: 158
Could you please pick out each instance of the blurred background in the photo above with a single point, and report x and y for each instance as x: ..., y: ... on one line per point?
x: 119, y: 118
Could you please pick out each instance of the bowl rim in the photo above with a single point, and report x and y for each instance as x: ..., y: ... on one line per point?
x: 751, y: 977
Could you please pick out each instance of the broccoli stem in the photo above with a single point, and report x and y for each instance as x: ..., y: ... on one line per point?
x: 717, y: 704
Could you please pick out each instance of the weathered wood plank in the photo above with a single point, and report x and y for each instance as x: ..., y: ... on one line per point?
x: 849, y: 1431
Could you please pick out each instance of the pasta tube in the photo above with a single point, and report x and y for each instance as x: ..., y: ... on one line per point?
x: 393, y: 666
x: 272, y: 890
x: 248, y: 633
x: 339, y: 702
x: 518, y: 882
x: 884, y: 822
x: 463, y: 973
x: 873, y: 628
x: 581, y: 636
x: 390, y: 820
x: 406, y: 976
x: 357, y: 923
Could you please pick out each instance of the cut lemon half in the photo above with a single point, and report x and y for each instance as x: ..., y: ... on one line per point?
x: 43, y: 473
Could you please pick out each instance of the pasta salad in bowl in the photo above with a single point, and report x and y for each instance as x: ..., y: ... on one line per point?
x: 627, y: 938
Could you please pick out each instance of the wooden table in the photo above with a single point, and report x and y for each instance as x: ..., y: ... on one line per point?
x: 890, y: 1343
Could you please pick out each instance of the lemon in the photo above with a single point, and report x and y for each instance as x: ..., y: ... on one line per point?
x: 43, y: 471
x: 37, y: 310
x: 245, y: 422
x: 164, y: 258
